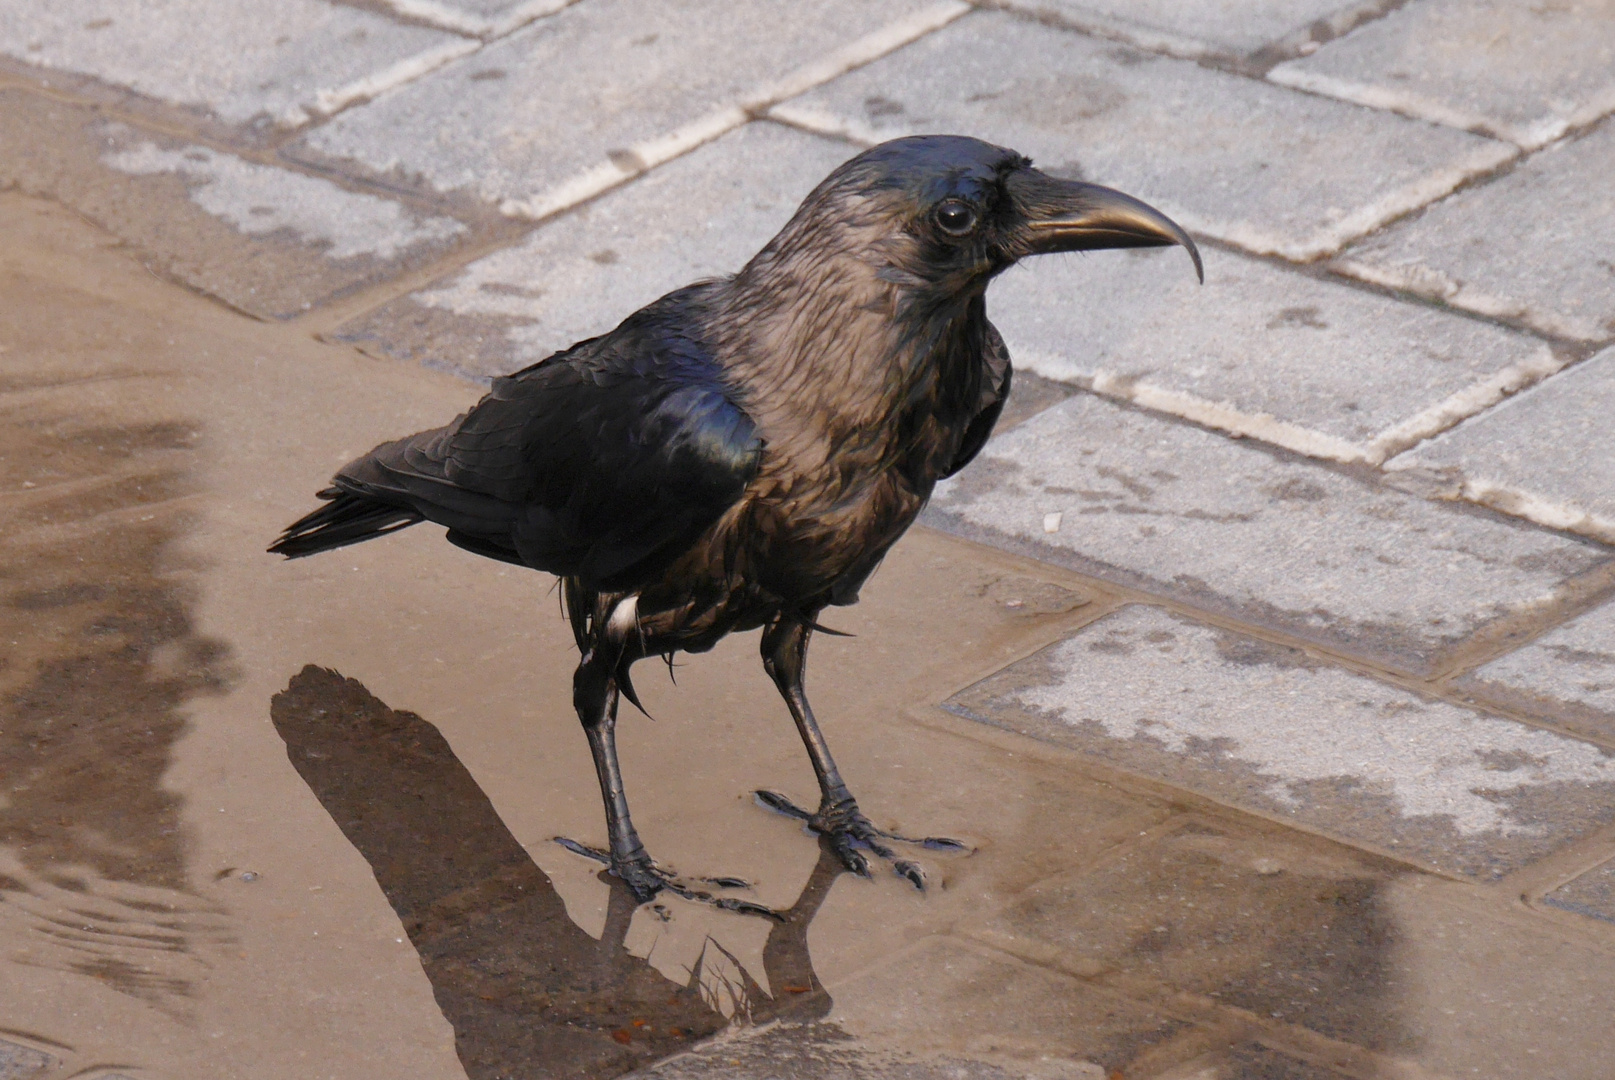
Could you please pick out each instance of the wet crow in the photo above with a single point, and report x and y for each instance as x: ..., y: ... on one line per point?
x: 743, y: 452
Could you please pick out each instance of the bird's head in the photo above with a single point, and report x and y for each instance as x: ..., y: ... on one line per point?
x: 942, y: 214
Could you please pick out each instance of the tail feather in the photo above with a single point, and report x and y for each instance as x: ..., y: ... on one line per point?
x: 345, y: 519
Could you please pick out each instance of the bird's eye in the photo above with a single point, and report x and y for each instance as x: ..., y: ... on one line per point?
x: 955, y: 218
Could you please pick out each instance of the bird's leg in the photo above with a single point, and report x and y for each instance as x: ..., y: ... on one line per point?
x: 596, y: 689
x: 594, y: 693
x: 838, y: 818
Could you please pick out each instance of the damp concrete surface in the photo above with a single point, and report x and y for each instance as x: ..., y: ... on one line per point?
x: 1262, y: 663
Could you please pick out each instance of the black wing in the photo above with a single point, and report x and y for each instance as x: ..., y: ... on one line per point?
x: 994, y: 392
x: 603, y: 462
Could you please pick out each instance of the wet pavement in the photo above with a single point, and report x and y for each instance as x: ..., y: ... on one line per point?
x: 1262, y: 661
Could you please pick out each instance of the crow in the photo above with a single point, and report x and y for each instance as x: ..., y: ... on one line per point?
x: 743, y: 452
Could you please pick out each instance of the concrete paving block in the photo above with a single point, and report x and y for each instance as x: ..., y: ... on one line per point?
x: 581, y: 101
x: 1592, y: 894
x: 825, y: 1051
x: 1523, y: 72
x: 1234, y: 158
x: 18, y: 1062
x: 1269, y: 729
x: 1545, y: 455
x: 267, y: 240
x: 961, y: 1000
x: 1302, y: 937
x: 1303, y: 362
x: 1231, y: 528
x: 581, y: 273
x: 1529, y: 246
x: 1203, y: 28
x: 1567, y: 675
x: 258, y: 65
x: 484, y: 18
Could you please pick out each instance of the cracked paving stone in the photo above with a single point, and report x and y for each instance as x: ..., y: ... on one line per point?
x: 1241, y: 160
x: 581, y: 273
x: 1308, y: 364
x: 1522, y: 72
x: 1545, y: 455
x: 1591, y: 894
x: 1528, y: 246
x: 596, y: 94
x: 253, y: 67
x: 1229, y: 527
x: 1273, y: 731
x: 1567, y: 675
x: 266, y: 240
x: 1196, y: 28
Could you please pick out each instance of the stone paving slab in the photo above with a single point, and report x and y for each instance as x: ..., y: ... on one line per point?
x: 1592, y: 894
x: 266, y: 240
x: 1229, y: 527
x: 1567, y: 675
x: 581, y: 101
x: 1291, y: 358
x: 18, y: 1062
x: 1529, y: 246
x: 825, y: 1051
x: 1523, y: 72
x: 1546, y: 455
x: 581, y: 273
x: 254, y: 66
x: 960, y: 999
x: 1269, y: 729
x: 1204, y: 28
x: 484, y: 18
x: 1238, y: 159
x: 1290, y: 929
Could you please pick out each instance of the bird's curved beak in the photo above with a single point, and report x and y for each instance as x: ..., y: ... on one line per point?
x: 1068, y: 215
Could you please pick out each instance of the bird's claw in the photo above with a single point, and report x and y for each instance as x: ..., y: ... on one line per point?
x: 850, y: 834
x: 646, y: 880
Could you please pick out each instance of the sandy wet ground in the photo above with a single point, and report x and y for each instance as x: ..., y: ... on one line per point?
x: 265, y: 819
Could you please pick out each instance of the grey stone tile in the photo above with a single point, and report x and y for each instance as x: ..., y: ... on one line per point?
x: 826, y: 1052
x: 1522, y: 72
x: 1284, y: 926
x: 1567, y: 675
x: 1546, y: 454
x: 267, y: 240
x: 274, y: 63
x: 18, y: 1062
x: 1528, y: 246
x: 1253, y: 1061
x: 580, y: 101
x: 581, y: 273
x: 1309, y: 364
x: 1199, y: 28
x: 1231, y: 528
x: 1254, y: 164
x: 1592, y: 894
x: 958, y: 999
x: 1269, y: 729
x: 485, y: 18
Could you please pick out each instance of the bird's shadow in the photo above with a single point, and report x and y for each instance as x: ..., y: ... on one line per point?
x: 527, y: 991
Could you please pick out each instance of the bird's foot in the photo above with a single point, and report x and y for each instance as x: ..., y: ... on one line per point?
x: 646, y: 880
x: 851, y: 834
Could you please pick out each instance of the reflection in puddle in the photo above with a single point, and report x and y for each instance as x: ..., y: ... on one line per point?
x: 518, y: 980
x: 100, y: 658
